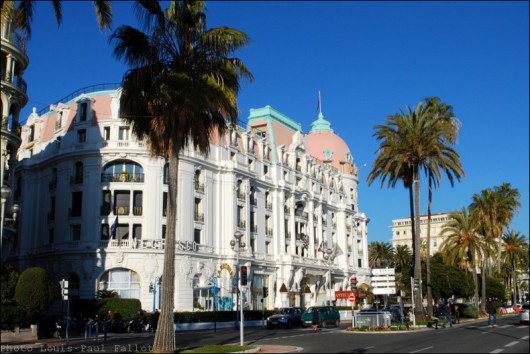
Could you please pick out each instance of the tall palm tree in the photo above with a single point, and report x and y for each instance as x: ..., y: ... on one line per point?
x: 409, y: 142
x: 448, y: 163
x: 181, y: 88
x: 494, y: 208
x: 463, y: 246
x: 515, y: 254
x: 22, y: 13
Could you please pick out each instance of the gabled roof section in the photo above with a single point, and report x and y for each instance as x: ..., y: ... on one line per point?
x: 274, y: 126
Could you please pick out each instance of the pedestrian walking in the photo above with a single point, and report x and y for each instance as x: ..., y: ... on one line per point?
x: 436, y: 315
x: 456, y: 314
x: 492, y: 313
x: 314, y: 321
x: 448, y: 316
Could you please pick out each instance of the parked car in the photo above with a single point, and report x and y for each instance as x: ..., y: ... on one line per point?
x: 524, y: 314
x: 327, y: 315
x: 286, y: 317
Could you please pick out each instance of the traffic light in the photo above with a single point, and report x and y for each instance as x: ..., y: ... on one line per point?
x: 417, y: 284
x: 64, y: 289
x: 353, y: 283
x: 243, y: 275
x: 265, y: 292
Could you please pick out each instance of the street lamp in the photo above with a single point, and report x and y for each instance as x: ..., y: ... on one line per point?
x: 329, y: 257
x: 237, y: 246
x: 153, y: 289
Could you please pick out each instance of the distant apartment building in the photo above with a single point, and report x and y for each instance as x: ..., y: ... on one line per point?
x: 95, y: 209
x: 402, y: 232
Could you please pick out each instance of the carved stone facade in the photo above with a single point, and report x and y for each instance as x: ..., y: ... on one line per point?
x: 95, y: 209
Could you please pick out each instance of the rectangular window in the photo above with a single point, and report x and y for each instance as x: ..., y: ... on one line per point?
x: 81, y: 136
x: 197, y: 236
x: 51, y: 235
x: 267, y: 247
x: 105, y: 232
x: 137, y: 231
x: 77, y: 203
x: 122, y: 202
x: 83, y: 111
x: 163, y: 232
x: 124, y: 133
x: 164, y: 204
x: 137, y: 202
x: 105, y: 206
x: 31, y: 134
x: 106, y: 133
x: 76, y: 232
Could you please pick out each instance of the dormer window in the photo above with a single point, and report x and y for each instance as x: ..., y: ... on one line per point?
x: 83, y: 111
x: 31, y: 134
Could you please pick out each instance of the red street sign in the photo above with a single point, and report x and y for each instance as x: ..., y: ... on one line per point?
x: 352, y: 298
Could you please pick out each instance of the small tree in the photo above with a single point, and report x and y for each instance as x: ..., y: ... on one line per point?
x: 34, y: 291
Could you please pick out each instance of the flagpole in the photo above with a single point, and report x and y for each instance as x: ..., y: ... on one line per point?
x: 319, y: 103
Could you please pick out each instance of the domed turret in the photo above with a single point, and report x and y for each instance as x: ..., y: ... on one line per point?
x: 326, y: 146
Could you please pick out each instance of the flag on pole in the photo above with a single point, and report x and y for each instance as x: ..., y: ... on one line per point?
x: 321, y: 247
x: 113, y: 229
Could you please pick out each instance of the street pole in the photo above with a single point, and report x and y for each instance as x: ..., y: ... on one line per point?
x: 240, y: 246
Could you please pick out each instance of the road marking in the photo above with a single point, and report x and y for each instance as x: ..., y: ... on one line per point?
x: 497, y: 351
x: 511, y: 344
x: 420, y: 350
x: 525, y: 338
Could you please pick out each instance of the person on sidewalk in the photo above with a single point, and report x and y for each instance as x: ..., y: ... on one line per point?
x: 448, y: 315
x: 314, y: 321
x: 492, y: 313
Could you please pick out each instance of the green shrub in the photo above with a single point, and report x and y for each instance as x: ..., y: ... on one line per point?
x: 123, y: 308
x: 34, y: 291
x: 470, y: 311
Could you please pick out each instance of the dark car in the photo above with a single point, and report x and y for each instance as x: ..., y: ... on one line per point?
x: 286, y: 317
x: 327, y: 315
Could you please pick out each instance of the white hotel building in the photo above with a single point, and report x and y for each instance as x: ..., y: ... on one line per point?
x: 80, y: 169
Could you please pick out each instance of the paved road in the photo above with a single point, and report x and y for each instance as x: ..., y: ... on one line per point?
x: 468, y: 337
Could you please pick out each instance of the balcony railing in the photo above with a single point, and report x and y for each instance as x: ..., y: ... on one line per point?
x: 52, y: 185
x: 74, y: 211
x: 122, y: 177
x: 241, y: 196
x: 268, y: 206
x: 121, y: 210
x: 241, y: 224
x: 137, y: 210
x: 199, y: 217
x: 199, y: 187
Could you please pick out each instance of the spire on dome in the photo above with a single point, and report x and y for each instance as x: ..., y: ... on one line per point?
x: 320, y: 125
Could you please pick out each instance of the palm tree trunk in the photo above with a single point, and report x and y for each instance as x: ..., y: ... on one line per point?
x: 514, y: 277
x: 483, y: 287
x: 475, y: 281
x: 428, y: 257
x: 165, y: 335
x: 418, y: 306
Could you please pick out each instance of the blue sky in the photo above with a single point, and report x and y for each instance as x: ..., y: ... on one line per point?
x: 368, y: 59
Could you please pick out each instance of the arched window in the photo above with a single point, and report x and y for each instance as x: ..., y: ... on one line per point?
x: 124, y: 281
x: 123, y: 171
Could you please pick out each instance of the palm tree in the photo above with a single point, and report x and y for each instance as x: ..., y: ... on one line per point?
x: 380, y: 254
x: 463, y: 246
x: 448, y: 162
x: 495, y: 209
x: 181, y: 88
x: 410, y: 141
x: 22, y: 13
x: 402, y: 258
x: 515, y: 254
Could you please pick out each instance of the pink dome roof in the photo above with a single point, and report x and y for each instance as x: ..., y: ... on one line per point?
x: 324, y: 145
